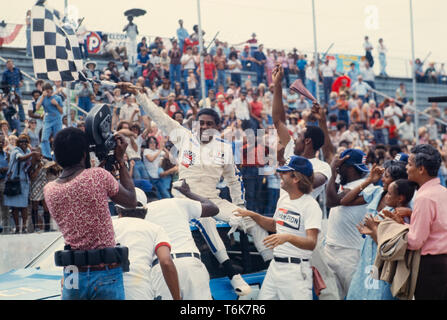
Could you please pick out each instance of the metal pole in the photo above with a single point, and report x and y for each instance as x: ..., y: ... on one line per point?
x: 68, y: 102
x: 317, y: 91
x: 202, y: 71
x: 317, y: 78
x: 416, y: 115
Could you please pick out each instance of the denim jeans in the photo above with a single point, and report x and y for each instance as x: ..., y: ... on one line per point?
x: 174, y: 74
x: 327, y: 86
x: 162, y: 191
x: 220, y: 78
x: 272, y: 200
x: 236, y: 78
x: 139, y: 171
x: 252, y: 183
x: 382, y: 59
x: 209, y: 84
x: 51, y: 125
x: 94, y: 285
x: 343, y: 116
x: 85, y: 103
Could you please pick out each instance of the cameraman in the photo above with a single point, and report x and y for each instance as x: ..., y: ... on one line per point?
x: 78, y: 202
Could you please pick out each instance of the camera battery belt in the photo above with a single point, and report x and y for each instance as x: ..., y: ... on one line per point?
x: 179, y: 255
x: 94, y: 260
x: 290, y: 260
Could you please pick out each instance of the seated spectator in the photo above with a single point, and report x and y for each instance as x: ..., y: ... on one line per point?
x: 91, y: 72
x: 126, y: 72
x: 108, y: 47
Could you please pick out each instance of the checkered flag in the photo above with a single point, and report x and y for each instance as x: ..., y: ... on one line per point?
x: 56, y: 53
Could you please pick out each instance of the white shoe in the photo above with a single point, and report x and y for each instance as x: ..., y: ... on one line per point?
x: 240, y: 286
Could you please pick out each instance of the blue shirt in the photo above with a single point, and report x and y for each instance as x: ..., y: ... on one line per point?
x: 13, y: 77
x: 301, y: 64
x: 3, y: 164
x: 142, y: 59
x: 50, y: 109
x: 182, y: 34
x: 353, y: 74
x: 258, y: 55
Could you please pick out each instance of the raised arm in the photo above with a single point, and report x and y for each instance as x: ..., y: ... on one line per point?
x: 266, y: 223
x: 328, y: 148
x: 278, y: 114
x: 333, y: 197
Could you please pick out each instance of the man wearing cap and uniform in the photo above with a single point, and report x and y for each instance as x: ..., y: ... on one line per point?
x: 203, y: 159
x: 147, y: 242
x: 297, y: 222
x: 343, y: 241
x: 174, y: 215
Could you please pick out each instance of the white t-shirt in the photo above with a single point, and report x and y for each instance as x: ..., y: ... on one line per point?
x: 394, y: 112
x: 232, y: 63
x: 241, y: 108
x: 126, y: 112
x: 342, y: 230
x: 190, y: 64
x: 295, y: 217
x: 130, y: 151
x: 152, y: 166
x: 131, y: 32
x: 319, y: 167
x: 327, y: 71
x: 143, y: 239
x: 174, y: 216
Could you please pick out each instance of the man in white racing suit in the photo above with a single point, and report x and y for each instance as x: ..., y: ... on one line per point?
x: 203, y: 158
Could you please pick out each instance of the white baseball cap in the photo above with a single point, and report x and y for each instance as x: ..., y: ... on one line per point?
x: 141, y: 199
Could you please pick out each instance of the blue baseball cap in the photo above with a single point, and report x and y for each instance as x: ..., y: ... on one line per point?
x: 357, y: 158
x: 403, y: 157
x: 298, y: 164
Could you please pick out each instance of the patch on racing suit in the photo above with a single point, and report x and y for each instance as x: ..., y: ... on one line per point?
x: 189, y: 158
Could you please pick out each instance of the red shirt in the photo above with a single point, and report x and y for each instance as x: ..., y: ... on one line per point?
x: 209, y: 70
x: 81, y: 210
x: 173, y: 108
x: 392, y: 132
x: 256, y: 108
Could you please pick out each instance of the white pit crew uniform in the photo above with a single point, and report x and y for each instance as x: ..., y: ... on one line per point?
x: 174, y: 216
x: 202, y: 165
x: 319, y: 259
x: 143, y: 239
x: 287, y: 280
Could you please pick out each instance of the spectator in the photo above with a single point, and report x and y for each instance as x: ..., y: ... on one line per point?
x: 432, y: 129
x: 81, y: 33
x: 18, y: 163
x: 343, y: 241
x: 382, y: 50
x: 327, y: 73
x: 91, y: 72
x: 210, y: 73
x: 52, y: 105
x: 153, y: 156
x: 342, y: 106
x: 353, y: 72
x: 427, y: 229
x: 420, y: 75
x: 165, y: 63
x: 182, y: 34
x: 311, y: 78
x: 175, y: 66
x: 28, y: 33
x: 430, y: 74
x: 401, y: 93
x: 126, y: 72
x: 142, y: 44
x: 361, y: 89
x: 220, y: 62
x: 4, y: 168
x: 302, y: 104
x: 108, y: 47
x: 301, y: 65
x: 131, y: 31
x: 433, y: 110
x: 247, y: 59
x: 142, y: 61
x: 259, y: 59
x: 368, y: 48
x: 235, y: 67
x: 369, y: 78
x: 188, y: 62
x: 406, y: 130
x: 171, y: 106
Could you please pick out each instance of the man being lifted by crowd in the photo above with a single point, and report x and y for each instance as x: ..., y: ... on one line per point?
x: 203, y: 158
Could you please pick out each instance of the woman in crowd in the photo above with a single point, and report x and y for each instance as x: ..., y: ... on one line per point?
x: 153, y: 156
x: 377, y: 200
x: 19, y: 162
x: 377, y: 125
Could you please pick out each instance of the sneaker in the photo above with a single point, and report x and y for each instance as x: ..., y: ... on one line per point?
x: 240, y: 286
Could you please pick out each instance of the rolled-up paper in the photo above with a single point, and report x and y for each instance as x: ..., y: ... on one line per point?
x: 299, y: 87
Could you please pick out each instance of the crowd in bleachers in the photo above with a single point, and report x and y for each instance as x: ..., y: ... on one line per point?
x: 357, y: 117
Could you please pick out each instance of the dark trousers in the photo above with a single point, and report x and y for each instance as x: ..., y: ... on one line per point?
x: 432, y: 278
x: 327, y: 86
x: 252, y: 184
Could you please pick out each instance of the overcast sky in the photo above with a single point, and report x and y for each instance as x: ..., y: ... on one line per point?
x: 278, y: 24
